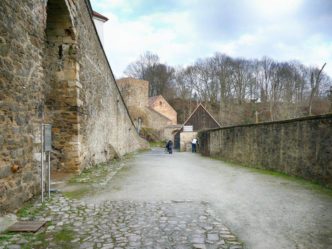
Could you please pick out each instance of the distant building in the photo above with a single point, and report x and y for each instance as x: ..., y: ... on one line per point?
x: 159, y: 104
x: 153, y: 113
x: 200, y: 119
x: 99, y: 21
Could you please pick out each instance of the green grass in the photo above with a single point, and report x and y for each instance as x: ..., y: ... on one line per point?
x: 29, y: 210
x: 42, y: 238
x: 98, y: 172
x: 309, y: 184
x: 5, y: 237
x: 29, y: 237
x: 77, y: 194
x: 160, y: 144
x: 91, y: 175
x: 61, y: 238
x: 64, y: 235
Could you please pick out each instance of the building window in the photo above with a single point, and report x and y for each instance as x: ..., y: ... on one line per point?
x: 160, y: 103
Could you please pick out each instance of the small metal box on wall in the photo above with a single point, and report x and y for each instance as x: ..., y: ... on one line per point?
x: 47, y: 137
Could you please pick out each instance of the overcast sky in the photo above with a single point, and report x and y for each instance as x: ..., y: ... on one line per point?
x: 180, y: 31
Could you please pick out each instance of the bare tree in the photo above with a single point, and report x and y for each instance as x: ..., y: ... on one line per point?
x: 315, y: 78
x: 237, y: 89
x: 160, y: 76
x: 140, y: 68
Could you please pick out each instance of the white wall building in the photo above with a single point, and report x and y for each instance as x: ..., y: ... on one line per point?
x: 99, y: 21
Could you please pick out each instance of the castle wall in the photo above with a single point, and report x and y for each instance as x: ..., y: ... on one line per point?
x: 135, y: 92
x: 53, y: 70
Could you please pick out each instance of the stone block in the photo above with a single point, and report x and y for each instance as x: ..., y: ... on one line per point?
x: 60, y: 76
x: 74, y: 83
x: 17, y: 153
x: 5, y: 170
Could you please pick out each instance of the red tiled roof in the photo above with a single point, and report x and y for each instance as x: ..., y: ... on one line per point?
x: 100, y: 16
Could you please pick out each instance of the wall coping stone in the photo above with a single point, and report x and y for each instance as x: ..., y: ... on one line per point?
x: 315, y: 117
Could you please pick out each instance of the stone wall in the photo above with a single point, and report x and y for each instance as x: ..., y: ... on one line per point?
x: 107, y: 129
x: 22, y: 25
x: 156, y: 120
x: 53, y: 70
x: 135, y: 92
x: 298, y: 147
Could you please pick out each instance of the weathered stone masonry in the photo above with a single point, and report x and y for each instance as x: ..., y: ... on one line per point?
x: 299, y: 147
x: 53, y: 69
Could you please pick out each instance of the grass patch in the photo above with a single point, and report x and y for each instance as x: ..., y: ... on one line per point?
x: 160, y: 144
x: 29, y: 210
x: 41, y: 238
x: 309, y: 184
x: 5, y: 237
x: 91, y: 175
x: 98, y: 172
x: 64, y: 235
x: 76, y: 194
x: 29, y: 237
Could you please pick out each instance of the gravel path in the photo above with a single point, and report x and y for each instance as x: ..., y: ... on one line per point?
x: 157, y: 200
x: 264, y: 211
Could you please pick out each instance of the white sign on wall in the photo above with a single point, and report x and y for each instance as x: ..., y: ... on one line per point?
x: 187, y: 128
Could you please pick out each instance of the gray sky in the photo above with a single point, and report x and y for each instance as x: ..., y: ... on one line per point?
x: 180, y: 31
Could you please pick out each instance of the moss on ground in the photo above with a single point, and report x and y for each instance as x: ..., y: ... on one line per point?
x: 41, y: 237
x: 31, y: 239
x: 77, y: 194
x: 66, y: 234
x: 64, y: 237
x: 98, y: 172
x: 6, y: 237
x: 309, y: 184
x: 91, y: 175
x: 160, y: 144
x: 30, y: 210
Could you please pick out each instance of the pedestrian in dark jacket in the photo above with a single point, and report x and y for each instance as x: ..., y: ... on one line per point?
x: 169, y: 146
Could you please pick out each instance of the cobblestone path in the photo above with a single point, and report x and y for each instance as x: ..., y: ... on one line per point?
x: 126, y: 224
x: 86, y: 223
x: 132, y: 204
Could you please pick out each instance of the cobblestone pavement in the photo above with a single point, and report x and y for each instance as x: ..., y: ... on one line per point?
x: 126, y: 224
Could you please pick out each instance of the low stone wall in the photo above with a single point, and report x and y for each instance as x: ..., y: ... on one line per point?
x: 299, y: 147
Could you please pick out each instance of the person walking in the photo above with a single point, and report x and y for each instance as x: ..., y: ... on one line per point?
x: 169, y: 146
x: 194, y: 145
